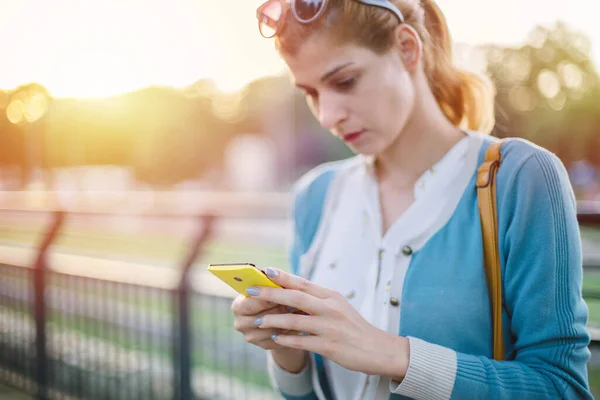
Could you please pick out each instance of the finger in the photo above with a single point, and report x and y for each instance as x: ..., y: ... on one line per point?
x: 290, y: 298
x: 295, y: 282
x: 310, y: 343
x: 260, y: 337
x: 257, y: 336
x: 243, y: 323
x: 243, y: 305
x: 268, y: 344
x: 292, y: 322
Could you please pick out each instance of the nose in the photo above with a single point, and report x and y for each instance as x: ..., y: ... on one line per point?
x: 332, y: 111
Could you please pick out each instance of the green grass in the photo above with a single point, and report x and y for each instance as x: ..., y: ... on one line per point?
x: 594, y: 312
x: 592, y: 234
x: 591, y: 281
x: 149, y: 246
x: 594, y: 377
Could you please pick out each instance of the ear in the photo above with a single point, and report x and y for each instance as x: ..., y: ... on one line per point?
x: 410, y: 46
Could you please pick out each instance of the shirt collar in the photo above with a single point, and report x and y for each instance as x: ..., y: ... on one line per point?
x: 440, y: 173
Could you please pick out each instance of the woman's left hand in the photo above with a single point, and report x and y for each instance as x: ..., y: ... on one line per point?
x: 337, y: 331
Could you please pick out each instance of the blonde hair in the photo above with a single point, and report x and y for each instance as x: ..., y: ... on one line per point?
x: 465, y: 98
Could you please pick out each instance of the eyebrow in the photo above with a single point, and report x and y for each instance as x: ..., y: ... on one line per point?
x: 330, y: 73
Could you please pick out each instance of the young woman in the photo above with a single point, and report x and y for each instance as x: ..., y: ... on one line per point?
x: 387, y: 248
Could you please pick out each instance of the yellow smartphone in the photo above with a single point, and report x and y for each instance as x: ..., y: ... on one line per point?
x: 241, y: 276
x: 244, y: 275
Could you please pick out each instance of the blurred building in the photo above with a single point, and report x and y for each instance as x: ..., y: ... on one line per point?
x: 251, y: 163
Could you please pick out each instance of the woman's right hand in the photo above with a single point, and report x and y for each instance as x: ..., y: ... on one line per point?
x: 247, y: 311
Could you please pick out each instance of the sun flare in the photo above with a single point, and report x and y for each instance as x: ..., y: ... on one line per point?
x: 87, y: 48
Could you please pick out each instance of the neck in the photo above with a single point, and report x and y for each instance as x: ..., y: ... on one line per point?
x: 427, y: 136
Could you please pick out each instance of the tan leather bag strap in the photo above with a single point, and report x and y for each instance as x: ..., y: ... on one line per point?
x: 486, y: 198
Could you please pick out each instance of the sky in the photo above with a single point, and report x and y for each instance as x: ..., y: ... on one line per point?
x: 85, y: 48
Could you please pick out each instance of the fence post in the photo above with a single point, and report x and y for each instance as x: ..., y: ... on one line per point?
x: 39, y: 305
x: 588, y: 218
x: 182, y: 346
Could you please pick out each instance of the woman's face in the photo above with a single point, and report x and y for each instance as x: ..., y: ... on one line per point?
x: 363, y: 98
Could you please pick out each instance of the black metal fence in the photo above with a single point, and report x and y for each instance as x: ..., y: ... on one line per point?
x: 65, y: 336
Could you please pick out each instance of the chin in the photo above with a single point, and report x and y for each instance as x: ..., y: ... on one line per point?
x: 367, y: 149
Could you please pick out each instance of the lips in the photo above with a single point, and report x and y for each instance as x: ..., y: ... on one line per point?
x: 351, y: 137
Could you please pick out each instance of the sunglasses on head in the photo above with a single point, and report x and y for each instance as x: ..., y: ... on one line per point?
x: 272, y: 13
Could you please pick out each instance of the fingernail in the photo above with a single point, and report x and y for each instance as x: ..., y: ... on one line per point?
x: 252, y: 291
x: 258, y: 321
x: 275, y: 336
x: 272, y: 272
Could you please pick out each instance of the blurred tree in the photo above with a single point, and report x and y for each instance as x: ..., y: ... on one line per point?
x: 22, y: 139
x: 164, y: 135
x: 547, y: 90
x: 12, y: 140
x: 181, y: 137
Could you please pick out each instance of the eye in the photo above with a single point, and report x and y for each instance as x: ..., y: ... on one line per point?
x: 346, y: 84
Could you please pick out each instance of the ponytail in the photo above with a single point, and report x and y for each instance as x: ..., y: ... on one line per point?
x: 466, y: 99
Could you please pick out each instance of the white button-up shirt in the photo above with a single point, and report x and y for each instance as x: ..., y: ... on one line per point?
x: 354, y: 259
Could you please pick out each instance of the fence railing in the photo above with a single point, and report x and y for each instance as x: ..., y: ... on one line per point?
x: 68, y: 336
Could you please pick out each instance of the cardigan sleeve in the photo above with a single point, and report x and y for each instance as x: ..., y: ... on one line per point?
x: 291, y: 386
x: 542, y: 278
